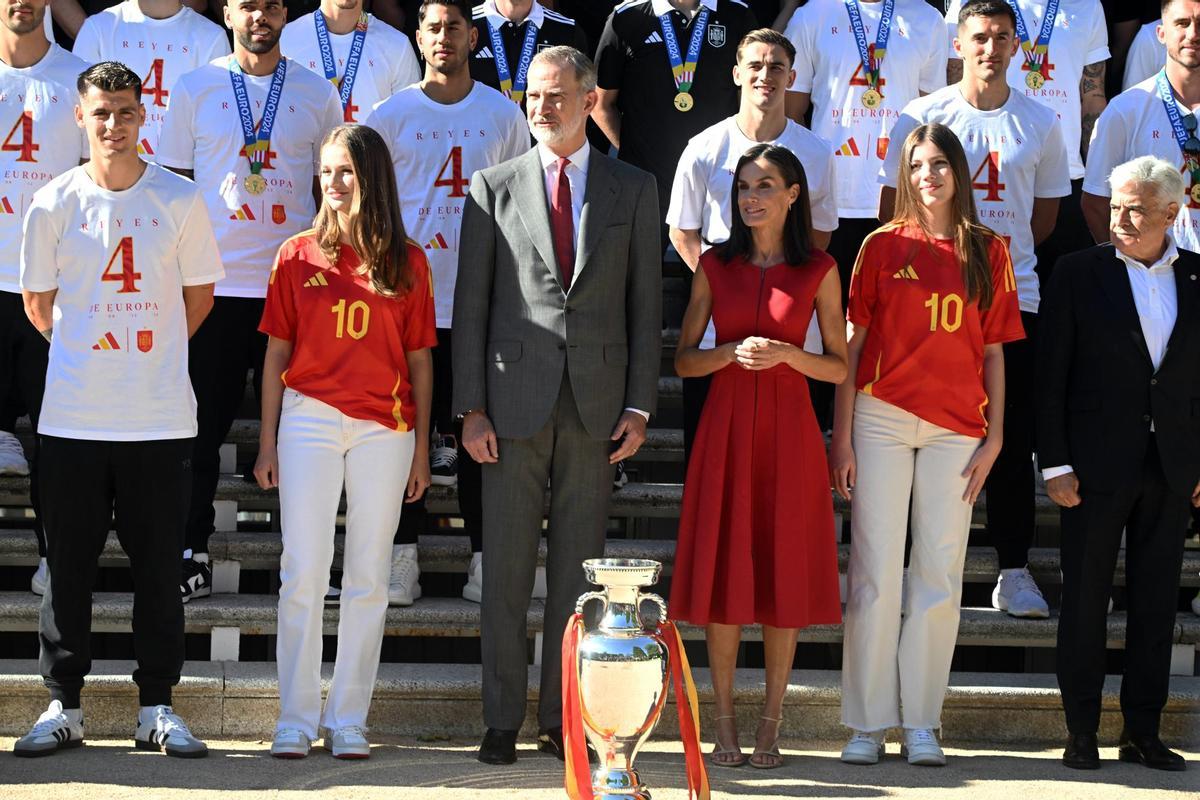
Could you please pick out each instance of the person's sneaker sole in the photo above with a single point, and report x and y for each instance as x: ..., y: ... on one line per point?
x: 70, y: 744
x: 861, y: 759
x: 205, y: 592
x: 351, y: 756
x: 444, y: 480
x: 289, y: 755
x: 173, y: 753
x: 472, y: 593
x: 929, y: 760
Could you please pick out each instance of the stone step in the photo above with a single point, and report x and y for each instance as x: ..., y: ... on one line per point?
x: 230, y: 699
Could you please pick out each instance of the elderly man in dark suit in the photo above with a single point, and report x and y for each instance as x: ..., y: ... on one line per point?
x: 1119, y: 445
x: 557, y: 339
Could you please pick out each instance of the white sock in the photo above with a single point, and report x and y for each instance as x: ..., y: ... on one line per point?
x: 146, y: 713
x: 75, y: 715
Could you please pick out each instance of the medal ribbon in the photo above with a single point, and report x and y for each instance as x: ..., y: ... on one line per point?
x: 257, y: 143
x: 346, y: 85
x: 513, y: 89
x: 871, y: 64
x: 1035, y: 52
x: 684, y: 71
x: 1191, y: 155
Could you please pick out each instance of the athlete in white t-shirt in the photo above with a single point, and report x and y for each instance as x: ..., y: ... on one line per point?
x: 385, y: 62
x: 38, y: 141
x: 248, y: 128
x: 1019, y: 170
x: 1146, y: 56
x: 159, y: 40
x: 117, y: 270
x: 440, y: 131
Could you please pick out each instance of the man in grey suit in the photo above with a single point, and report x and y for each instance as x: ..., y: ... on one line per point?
x: 556, y: 346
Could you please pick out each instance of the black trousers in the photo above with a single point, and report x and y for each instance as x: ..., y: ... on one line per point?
x: 1070, y: 233
x: 414, y: 520
x: 1154, y: 519
x: 145, y: 486
x: 1010, y: 485
x: 23, y: 357
x: 227, y: 346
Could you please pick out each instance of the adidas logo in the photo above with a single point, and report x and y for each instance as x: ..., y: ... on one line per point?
x: 908, y: 274
x: 486, y: 52
x: 654, y: 38
x: 849, y: 148
x: 107, y: 342
x: 5, y: 206
x: 144, y: 148
x: 316, y: 280
x: 438, y: 242
x: 243, y: 213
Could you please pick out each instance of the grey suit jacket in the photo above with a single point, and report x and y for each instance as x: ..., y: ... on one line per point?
x: 515, y: 330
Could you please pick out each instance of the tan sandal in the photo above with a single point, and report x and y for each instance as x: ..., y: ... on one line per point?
x: 721, y: 750
x: 772, y: 751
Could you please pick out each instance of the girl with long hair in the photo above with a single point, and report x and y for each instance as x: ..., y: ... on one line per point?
x: 932, y: 299
x: 756, y: 539
x: 347, y: 385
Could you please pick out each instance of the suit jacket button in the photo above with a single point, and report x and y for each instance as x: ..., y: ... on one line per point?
x: 1154, y: 381
x: 1145, y: 417
x: 562, y: 346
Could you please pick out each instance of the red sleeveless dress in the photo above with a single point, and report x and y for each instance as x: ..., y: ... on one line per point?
x: 756, y: 541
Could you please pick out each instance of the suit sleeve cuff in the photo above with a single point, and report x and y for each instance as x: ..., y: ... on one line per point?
x: 1056, y: 472
x: 645, y: 414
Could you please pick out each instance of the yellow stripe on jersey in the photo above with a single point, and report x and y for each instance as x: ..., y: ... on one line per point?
x: 401, y: 425
x: 858, y: 259
x: 1010, y: 277
x: 878, y: 364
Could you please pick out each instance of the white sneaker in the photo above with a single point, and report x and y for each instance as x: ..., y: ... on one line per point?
x: 12, y: 455
x: 56, y: 729
x: 1017, y: 593
x: 37, y: 584
x: 864, y: 748
x: 160, y: 728
x: 404, y: 584
x: 922, y: 749
x: 349, y: 742
x: 290, y: 743
x: 473, y: 591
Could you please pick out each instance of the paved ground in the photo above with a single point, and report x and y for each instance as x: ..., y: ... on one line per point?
x: 409, y: 769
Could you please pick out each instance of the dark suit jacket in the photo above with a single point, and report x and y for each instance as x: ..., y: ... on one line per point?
x: 516, y: 330
x: 1097, y: 388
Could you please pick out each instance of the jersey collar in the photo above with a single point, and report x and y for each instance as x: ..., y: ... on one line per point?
x: 537, y: 14
x: 660, y: 7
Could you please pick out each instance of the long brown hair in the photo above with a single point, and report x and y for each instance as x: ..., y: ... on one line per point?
x: 376, y: 228
x: 971, y: 239
x: 797, y: 226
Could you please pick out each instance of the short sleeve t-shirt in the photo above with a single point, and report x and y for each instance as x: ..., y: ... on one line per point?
x: 349, y: 342
x: 1015, y: 153
x: 829, y: 68
x: 1147, y: 55
x: 386, y: 66
x: 552, y: 29
x: 435, y: 150
x: 119, y: 355
x: 158, y: 50
x: 1080, y: 38
x: 925, y: 340
x: 203, y: 133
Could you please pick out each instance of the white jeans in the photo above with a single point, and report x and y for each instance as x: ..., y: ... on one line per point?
x: 319, y: 449
x: 895, y: 670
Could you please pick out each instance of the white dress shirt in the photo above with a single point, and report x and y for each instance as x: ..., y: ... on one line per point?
x: 1154, y: 298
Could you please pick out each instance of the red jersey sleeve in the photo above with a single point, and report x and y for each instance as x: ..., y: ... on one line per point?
x: 279, y: 310
x: 420, y: 329
x: 1001, y: 322
x: 863, y: 289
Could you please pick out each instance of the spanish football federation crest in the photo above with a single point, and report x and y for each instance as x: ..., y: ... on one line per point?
x: 278, y: 214
x: 716, y: 35
x: 145, y: 341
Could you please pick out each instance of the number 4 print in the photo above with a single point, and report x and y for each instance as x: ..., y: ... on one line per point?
x: 25, y: 145
x: 152, y: 84
x: 126, y: 275
x: 991, y: 186
x: 457, y: 182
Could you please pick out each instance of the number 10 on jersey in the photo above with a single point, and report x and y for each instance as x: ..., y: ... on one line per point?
x: 353, y: 320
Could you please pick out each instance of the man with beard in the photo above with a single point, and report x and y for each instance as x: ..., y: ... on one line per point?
x: 557, y: 342
x: 440, y: 131
x: 248, y: 128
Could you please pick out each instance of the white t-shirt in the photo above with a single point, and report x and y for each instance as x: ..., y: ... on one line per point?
x: 386, y: 66
x: 435, y: 149
x: 159, y: 50
x: 204, y: 133
x: 1136, y: 124
x: 1015, y: 153
x: 1080, y: 38
x: 1147, y: 55
x: 828, y: 67
x: 702, y: 193
x: 39, y: 141
x: 119, y: 260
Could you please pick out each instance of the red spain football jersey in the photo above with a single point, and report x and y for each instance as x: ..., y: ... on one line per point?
x: 348, y: 343
x: 924, y: 347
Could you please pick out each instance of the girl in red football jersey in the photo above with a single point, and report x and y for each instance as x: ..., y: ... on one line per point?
x: 347, y: 384
x: 932, y: 299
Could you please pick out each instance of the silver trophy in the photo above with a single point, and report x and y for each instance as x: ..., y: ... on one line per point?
x: 623, y: 672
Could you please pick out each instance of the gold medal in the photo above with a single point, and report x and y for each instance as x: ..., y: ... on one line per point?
x: 684, y: 101
x: 1034, y: 80
x: 1196, y: 193
x: 255, y: 184
x: 871, y: 98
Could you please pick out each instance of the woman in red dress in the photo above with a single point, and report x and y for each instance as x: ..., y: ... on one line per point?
x: 756, y: 539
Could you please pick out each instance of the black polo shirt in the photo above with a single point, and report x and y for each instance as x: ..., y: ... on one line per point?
x: 632, y: 58
x: 552, y: 29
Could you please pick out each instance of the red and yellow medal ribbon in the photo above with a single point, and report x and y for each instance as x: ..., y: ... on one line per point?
x: 687, y: 704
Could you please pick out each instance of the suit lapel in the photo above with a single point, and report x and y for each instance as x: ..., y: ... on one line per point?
x: 598, y: 200
x: 534, y: 209
x: 1114, y: 280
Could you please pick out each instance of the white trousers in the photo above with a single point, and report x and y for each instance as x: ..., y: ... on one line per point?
x: 895, y: 669
x: 320, y: 448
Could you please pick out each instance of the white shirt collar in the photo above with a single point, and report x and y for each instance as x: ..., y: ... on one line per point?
x: 537, y: 14
x: 660, y: 7
x: 578, y: 159
x: 1165, y: 262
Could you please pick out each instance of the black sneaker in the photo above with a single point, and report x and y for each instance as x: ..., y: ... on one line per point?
x: 619, y: 476
x: 443, y: 461
x: 197, y: 579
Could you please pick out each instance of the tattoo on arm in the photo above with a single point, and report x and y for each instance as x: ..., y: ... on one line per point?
x: 1092, y: 81
x: 1092, y: 101
x: 1087, y: 122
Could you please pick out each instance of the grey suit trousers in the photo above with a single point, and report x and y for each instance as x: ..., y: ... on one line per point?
x: 513, y: 496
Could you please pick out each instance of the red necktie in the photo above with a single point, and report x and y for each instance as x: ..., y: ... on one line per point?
x: 561, y: 225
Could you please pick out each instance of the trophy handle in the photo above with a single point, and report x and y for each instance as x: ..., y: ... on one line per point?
x: 585, y: 597
x: 658, y: 601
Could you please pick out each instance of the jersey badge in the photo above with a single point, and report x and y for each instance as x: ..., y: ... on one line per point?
x: 716, y: 35
x: 145, y: 341
x: 278, y: 214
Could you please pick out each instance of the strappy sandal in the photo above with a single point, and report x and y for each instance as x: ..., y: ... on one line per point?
x: 772, y: 751
x: 721, y: 750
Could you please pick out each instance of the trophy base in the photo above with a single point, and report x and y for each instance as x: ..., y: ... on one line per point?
x: 618, y: 784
